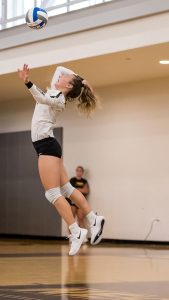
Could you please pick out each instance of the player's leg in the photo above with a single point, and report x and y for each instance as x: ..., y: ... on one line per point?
x: 49, y: 171
x: 73, y: 194
x: 95, y: 223
x: 81, y: 218
x: 74, y: 209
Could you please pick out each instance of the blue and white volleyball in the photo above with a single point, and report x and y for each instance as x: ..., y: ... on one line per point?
x: 36, y: 18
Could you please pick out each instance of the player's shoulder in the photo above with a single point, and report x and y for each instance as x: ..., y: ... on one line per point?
x: 53, y: 93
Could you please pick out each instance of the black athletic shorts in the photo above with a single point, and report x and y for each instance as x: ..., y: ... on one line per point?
x: 48, y: 146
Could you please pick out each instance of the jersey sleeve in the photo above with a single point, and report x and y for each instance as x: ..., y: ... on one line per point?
x: 59, y: 72
x: 57, y: 101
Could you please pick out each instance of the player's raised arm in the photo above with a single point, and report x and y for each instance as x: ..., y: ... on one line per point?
x: 40, y: 97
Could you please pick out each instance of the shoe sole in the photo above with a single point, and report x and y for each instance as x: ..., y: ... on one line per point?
x: 98, y: 237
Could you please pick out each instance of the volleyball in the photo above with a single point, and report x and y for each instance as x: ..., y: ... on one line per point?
x: 36, y: 18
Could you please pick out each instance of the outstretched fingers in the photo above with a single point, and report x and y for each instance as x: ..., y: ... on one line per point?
x: 25, y: 68
x: 23, y: 73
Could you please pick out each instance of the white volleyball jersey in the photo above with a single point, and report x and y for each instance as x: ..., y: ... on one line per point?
x: 47, y: 107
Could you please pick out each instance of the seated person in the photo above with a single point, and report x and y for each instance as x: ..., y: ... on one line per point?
x: 82, y: 185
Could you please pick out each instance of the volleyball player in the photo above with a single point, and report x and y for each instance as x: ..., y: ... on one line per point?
x: 65, y: 86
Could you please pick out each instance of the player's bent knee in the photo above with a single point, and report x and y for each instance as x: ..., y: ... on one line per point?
x: 67, y: 190
x: 53, y: 194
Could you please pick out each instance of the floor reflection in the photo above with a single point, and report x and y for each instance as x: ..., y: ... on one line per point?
x: 42, y: 270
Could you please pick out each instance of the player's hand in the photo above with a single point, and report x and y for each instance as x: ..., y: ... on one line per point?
x: 24, y: 73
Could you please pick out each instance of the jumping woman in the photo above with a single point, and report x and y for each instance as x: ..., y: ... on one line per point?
x: 65, y: 86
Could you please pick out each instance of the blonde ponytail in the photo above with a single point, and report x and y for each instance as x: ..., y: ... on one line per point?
x: 87, y: 101
x: 84, y: 94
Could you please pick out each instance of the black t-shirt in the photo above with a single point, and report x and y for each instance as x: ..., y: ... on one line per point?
x: 78, y: 183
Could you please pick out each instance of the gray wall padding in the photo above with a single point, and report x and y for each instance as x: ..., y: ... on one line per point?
x: 23, y: 206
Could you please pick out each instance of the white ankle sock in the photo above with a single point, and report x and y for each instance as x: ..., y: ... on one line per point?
x: 91, y: 216
x: 74, y: 228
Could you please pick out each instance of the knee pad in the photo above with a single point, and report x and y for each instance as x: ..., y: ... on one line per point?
x: 67, y: 189
x: 53, y: 194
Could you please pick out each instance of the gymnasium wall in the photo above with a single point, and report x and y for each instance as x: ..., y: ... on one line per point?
x: 124, y: 148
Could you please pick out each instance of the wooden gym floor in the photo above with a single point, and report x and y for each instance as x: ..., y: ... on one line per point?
x: 42, y: 270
